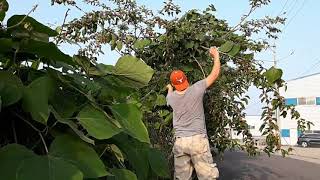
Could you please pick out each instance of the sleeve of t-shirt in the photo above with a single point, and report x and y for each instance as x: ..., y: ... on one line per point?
x: 200, y: 86
x: 168, y: 98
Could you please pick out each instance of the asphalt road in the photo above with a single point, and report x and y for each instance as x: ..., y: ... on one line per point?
x: 238, y: 166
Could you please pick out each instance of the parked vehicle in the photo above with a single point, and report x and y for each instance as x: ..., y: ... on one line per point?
x: 308, y: 139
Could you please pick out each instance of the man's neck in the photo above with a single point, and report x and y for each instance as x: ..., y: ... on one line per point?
x: 182, y: 92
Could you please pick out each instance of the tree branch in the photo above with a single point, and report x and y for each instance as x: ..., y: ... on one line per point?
x: 63, y: 23
x: 33, y: 127
x: 253, y: 8
x: 204, y: 75
x: 24, y: 18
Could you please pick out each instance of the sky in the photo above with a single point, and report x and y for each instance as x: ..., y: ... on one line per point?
x: 297, y: 49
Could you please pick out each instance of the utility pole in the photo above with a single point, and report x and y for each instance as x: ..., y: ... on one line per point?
x: 277, y: 89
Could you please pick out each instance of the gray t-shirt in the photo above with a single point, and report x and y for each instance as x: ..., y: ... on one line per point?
x: 188, y: 113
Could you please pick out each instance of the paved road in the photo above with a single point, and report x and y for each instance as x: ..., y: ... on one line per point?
x: 238, y: 166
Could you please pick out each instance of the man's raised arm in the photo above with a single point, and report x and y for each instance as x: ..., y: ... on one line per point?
x: 213, y: 76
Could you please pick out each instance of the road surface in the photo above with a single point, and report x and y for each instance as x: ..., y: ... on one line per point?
x: 238, y: 166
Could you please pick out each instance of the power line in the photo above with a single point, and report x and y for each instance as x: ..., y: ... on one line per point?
x: 297, y: 12
x: 283, y: 7
x: 311, y: 68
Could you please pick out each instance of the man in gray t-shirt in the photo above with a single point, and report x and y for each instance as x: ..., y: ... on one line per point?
x: 191, y: 148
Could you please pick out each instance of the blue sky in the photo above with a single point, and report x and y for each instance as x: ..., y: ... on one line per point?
x: 300, y: 35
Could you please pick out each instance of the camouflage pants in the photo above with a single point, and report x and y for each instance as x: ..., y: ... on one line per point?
x: 194, y: 153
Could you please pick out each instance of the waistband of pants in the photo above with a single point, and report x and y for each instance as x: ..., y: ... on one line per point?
x: 202, y: 135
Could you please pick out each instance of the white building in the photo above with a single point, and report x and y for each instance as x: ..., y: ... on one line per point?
x: 304, y: 94
x: 254, y: 123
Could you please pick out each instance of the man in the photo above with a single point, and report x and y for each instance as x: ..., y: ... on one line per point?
x: 191, y: 148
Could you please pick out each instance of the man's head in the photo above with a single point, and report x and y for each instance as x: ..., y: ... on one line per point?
x: 179, y: 80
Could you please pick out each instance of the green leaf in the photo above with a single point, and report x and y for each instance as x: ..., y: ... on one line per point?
x: 4, y: 6
x: 31, y: 23
x: 11, y: 88
x: 163, y: 113
x: 105, y: 69
x: 45, y: 50
x: 11, y: 157
x: 140, y: 44
x: 226, y: 47
x: 40, y: 37
x: 72, y: 125
x: 161, y: 100
x: 130, y: 118
x: 134, y: 70
x: 83, y: 61
x: 35, y: 98
x: 273, y: 74
x: 158, y: 163
x: 47, y: 167
x: 117, y: 152
x: 136, y: 153
x: 5, y: 44
x: 187, y: 68
x: 119, y: 45
x: 113, y: 44
x: 168, y: 119
x: 35, y: 64
x: 96, y: 123
x: 234, y: 51
x: 122, y: 174
x: 79, y: 154
x: 189, y: 44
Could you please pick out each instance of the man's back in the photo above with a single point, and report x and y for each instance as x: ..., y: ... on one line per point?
x: 188, y: 113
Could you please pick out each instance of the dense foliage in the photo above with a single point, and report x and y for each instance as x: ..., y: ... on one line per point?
x: 66, y: 117
x: 168, y: 41
x: 72, y: 118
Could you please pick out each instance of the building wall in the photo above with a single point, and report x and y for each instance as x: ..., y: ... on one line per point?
x: 254, y: 123
x: 299, y: 90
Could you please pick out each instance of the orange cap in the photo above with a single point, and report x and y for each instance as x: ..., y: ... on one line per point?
x: 179, y: 80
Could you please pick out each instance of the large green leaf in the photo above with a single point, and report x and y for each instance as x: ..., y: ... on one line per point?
x: 134, y: 70
x: 11, y: 88
x: 122, y: 174
x: 65, y: 103
x: 79, y: 154
x: 226, y: 47
x: 130, y: 118
x: 30, y: 23
x: 10, y: 158
x: 96, y: 123
x: 4, y: 6
x: 35, y: 98
x: 235, y: 50
x: 158, y: 163
x: 136, y: 152
x: 273, y: 74
x: 45, y: 50
x: 47, y: 167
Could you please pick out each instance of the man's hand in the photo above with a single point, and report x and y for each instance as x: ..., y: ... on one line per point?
x: 169, y: 87
x: 214, y: 52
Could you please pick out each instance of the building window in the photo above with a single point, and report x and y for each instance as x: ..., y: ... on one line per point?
x: 291, y: 101
x: 318, y: 101
x: 285, y: 132
x: 302, y: 101
x: 251, y: 127
x: 311, y: 100
x: 306, y: 101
